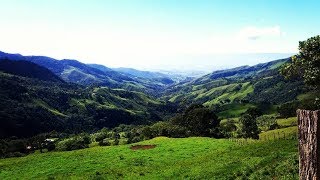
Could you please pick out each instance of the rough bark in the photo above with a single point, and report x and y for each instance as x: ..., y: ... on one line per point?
x: 309, y: 138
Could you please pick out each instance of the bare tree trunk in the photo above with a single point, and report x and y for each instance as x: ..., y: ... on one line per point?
x: 309, y: 138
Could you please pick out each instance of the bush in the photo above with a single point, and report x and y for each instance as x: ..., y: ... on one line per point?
x: 78, y: 142
x: 228, y: 129
x: 104, y: 142
x: 51, y: 146
x: 288, y: 109
x: 198, y: 120
x: 266, y: 122
x: 249, y: 127
x: 115, y: 142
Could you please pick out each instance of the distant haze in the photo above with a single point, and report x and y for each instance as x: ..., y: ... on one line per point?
x: 158, y: 34
x: 213, y: 62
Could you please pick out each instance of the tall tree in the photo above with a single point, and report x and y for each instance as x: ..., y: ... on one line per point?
x: 249, y: 127
x: 306, y: 64
x: 198, y: 119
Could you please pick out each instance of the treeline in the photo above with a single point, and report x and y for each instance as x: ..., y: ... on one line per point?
x: 196, y: 120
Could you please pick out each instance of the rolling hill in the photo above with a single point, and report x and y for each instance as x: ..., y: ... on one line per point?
x: 30, y: 105
x: 32, y: 96
x: 238, y: 89
x: 152, y: 76
x: 84, y: 74
x: 28, y: 69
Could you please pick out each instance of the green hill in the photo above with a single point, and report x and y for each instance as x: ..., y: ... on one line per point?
x: 238, y: 89
x: 29, y: 106
x: 28, y: 69
x: 84, y: 74
x: 187, y: 158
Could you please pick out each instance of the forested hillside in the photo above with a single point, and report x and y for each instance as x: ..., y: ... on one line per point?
x: 34, y: 100
x: 231, y: 92
x: 31, y: 105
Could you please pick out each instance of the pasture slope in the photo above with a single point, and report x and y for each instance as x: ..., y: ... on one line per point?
x: 172, y: 158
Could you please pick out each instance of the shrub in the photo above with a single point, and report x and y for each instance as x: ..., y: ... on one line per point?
x: 78, y: 142
x: 288, y: 109
x: 249, y: 127
x: 228, y: 129
x: 267, y: 122
x: 104, y: 142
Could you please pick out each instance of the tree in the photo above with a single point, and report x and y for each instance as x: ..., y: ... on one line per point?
x: 288, y: 109
x: 254, y: 112
x: 306, y: 64
x: 228, y: 128
x: 198, y: 120
x: 249, y: 127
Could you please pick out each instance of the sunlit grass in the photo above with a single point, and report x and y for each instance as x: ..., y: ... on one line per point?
x: 185, y: 158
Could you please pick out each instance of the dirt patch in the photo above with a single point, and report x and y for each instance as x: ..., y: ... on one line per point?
x: 142, y: 147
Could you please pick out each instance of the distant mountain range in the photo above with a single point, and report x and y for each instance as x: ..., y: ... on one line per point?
x: 89, y: 74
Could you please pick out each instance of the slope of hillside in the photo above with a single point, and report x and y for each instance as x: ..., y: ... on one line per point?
x: 153, y: 76
x: 29, y: 106
x: 28, y: 69
x: 80, y: 73
x: 183, y: 158
x: 239, y: 88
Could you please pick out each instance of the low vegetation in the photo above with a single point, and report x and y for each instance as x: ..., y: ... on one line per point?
x: 194, y: 158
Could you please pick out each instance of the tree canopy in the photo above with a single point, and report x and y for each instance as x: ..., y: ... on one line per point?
x: 198, y: 119
x: 306, y: 64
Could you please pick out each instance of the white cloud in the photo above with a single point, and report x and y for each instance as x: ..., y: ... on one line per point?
x: 254, y: 33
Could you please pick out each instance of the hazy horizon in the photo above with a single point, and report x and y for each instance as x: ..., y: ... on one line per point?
x: 161, y: 34
x: 191, y: 64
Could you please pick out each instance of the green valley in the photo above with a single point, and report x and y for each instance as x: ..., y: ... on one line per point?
x: 63, y: 119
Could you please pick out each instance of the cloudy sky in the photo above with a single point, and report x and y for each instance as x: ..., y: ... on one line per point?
x: 158, y: 34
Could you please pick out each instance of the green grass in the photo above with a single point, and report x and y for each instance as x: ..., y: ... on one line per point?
x: 229, y: 93
x: 234, y: 110
x: 41, y: 103
x: 217, y: 90
x: 246, y: 89
x: 277, y: 65
x: 289, y: 132
x: 288, y: 122
x: 186, y: 158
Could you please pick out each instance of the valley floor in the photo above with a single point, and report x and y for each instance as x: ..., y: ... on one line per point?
x: 171, y: 158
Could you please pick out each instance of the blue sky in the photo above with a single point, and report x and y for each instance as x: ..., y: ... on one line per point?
x: 158, y: 34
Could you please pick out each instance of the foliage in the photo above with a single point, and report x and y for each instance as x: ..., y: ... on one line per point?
x: 254, y: 112
x: 79, y: 142
x: 307, y: 63
x: 30, y: 106
x: 28, y: 69
x: 228, y: 128
x: 288, y: 109
x: 198, y: 120
x: 249, y: 127
x: 266, y: 122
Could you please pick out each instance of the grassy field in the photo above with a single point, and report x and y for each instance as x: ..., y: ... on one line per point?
x: 288, y: 122
x: 185, y: 158
x: 289, y: 132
